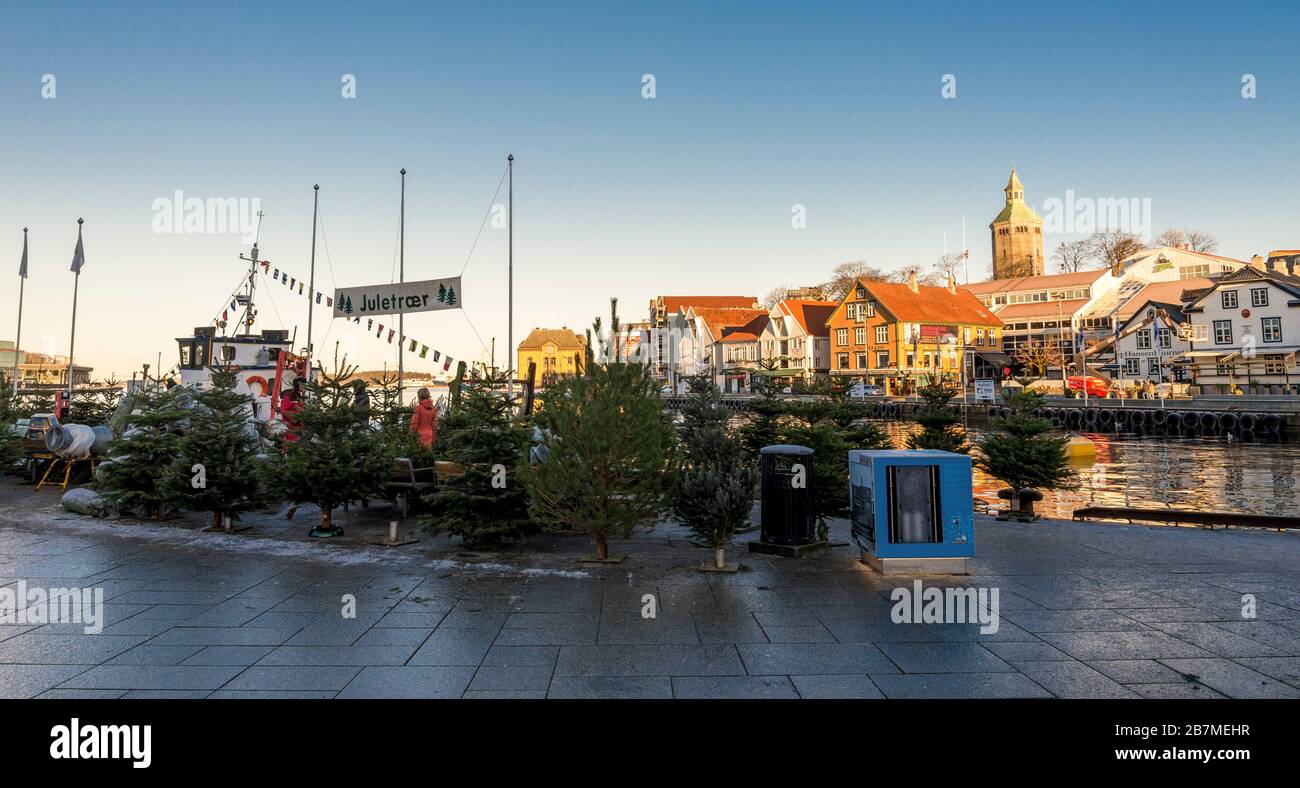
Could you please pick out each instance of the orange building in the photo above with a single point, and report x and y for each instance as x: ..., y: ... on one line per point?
x: 896, y: 334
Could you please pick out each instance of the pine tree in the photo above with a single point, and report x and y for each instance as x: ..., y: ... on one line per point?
x: 609, y: 445
x: 486, y: 505
x: 763, y: 419
x: 216, y: 467
x: 451, y: 296
x: 337, y: 458
x: 11, y: 446
x: 830, y: 469
x: 714, y: 493
x: 442, y: 293
x: 134, y: 476
x: 939, y: 423
x: 1020, y: 452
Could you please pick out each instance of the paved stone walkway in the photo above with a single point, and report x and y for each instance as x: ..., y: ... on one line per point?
x: 1086, y: 611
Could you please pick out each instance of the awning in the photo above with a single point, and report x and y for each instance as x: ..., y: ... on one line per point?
x: 994, y: 357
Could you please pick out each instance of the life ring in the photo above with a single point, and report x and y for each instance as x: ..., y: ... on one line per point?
x: 261, y: 381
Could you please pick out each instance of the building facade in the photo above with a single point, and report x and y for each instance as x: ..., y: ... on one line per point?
x: 557, y: 352
x: 797, y: 340
x: 1017, y: 234
x: 668, y: 327
x: 1246, y: 332
x: 895, y: 335
x: 722, y: 345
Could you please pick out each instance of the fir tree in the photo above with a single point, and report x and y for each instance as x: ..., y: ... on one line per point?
x: 830, y: 469
x: 1020, y: 452
x: 486, y: 505
x: 216, y: 467
x: 939, y: 423
x: 134, y: 478
x: 609, y: 444
x: 714, y: 494
x: 95, y: 407
x: 11, y: 446
x: 337, y: 458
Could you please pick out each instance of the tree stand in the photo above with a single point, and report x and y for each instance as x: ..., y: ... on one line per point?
x: 225, y: 524
x: 326, y: 529
x: 719, y: 563
x: 602, y: 556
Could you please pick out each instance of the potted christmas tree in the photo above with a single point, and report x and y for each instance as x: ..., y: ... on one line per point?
x: 714, y: 493
x: 337, y: 457
x: 940, y: 430
x: 216, y: 467
x: 1022, y: 454
x: 608, y: 445
x: 485, y: 505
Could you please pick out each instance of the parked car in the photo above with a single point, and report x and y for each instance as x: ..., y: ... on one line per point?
x: 862, y: 390
x: 1097, y: 387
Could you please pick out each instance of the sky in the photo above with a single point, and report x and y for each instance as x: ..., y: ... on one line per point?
x: 758, y: 109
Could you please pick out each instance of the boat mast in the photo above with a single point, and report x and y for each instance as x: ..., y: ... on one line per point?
x: 311, y: 284
x: 251, y: 284
x: 401, y: 278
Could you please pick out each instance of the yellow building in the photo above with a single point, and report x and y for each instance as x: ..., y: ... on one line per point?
x: 557, y: 352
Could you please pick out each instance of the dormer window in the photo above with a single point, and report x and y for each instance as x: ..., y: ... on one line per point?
x: 862, y: 292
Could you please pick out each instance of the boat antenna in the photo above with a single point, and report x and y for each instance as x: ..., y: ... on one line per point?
x: 247, y: 296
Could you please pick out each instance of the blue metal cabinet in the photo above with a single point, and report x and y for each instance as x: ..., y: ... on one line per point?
x: 914, y: 509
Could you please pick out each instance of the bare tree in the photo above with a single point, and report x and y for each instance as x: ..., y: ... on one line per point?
x: 1112, y: 247
x: 844, y: 275
x: 949, y: 265
x: 1040, y: 354
x: 923, y: 277
x: 1196, y: 240
x: 1074, y: 256
x: 774, y: 296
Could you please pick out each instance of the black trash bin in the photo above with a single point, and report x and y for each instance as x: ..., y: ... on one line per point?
x: 787, y: 509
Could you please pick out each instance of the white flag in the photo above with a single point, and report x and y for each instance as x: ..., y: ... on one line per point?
x: 79, y: 255
x: 22, y: 267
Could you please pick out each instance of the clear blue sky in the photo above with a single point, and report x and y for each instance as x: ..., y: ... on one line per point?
x: 759, y: 107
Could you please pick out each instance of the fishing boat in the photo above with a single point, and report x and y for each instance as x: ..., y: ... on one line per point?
x: 264, y: 361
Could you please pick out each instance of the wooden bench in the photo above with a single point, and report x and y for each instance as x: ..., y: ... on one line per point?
x: 406, y: 480
x: 1186, y: 517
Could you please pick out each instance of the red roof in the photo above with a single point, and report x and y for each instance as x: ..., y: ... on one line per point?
x: 811, y: 315
x: 682, y: 303
x: 1044, y: 282
x: 930, y: 304
x: 743, y: 324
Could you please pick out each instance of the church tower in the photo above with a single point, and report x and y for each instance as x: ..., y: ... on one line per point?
x: 1017, y: 235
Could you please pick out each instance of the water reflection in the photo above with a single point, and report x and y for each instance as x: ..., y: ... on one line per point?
x: 1208, y: 474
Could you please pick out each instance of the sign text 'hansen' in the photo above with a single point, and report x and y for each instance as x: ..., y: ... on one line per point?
x: 392, y: 298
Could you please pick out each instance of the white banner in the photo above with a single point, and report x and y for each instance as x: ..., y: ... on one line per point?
x: 392, y: 299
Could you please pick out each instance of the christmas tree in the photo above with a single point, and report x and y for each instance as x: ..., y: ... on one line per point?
x: 95, y: 406
x: 609, y: 444
x: 939, y: 422
x: 133, y: 478
x: 1020, y: 452
x: 216, y: 467
x: 11, y: 447
x: 763, y: 418
x: 486, y: 504
x: 337, y: 458
x: 714, y: 493
x: 830, y: 469
x: 442, y: 293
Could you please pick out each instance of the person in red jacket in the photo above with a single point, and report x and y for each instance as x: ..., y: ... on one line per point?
x: 424, y: 419
x: 290, y: 405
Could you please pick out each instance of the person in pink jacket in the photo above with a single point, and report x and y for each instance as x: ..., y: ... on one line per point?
x: 424, y: 420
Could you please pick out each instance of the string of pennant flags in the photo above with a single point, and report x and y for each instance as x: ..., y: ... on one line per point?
x: 300, y: 287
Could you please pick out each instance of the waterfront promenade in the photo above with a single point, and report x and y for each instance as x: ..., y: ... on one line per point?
x: 1086, y: 610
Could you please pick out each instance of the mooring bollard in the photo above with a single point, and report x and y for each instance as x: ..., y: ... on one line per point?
x: 392, y: 532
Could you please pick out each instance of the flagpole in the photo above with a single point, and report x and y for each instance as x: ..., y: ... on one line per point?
x: 78, y: 260
x: 22, y: 285
x: 401, y: 278
x: 311, y: 284
x: 510, y: 276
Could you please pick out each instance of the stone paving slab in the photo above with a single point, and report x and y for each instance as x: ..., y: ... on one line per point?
x: 1086, y: 610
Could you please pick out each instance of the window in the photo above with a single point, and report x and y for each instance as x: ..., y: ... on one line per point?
x: 871, y: 309
x: 859, y: 336
x: 1144, y: 339
x: 882, y: 335
x: 1153, y: 368
x: 1273, y: 365
x: 1272, y: 329
x: 862, y: 360
x: 842, y: 360
x: 979, y: 336
x: 841, y: 336
x: 861, y: 292
x: 966, y: 335
x: 1194, y: 272
x: 911, y: 361
x: 1165, y: 337
x: 1223, y: 369
x: 1223, y: 332
x: 1259, y: 296
x: 882, y: 359
x: 1133, y: 367
x: 1229, y: 299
